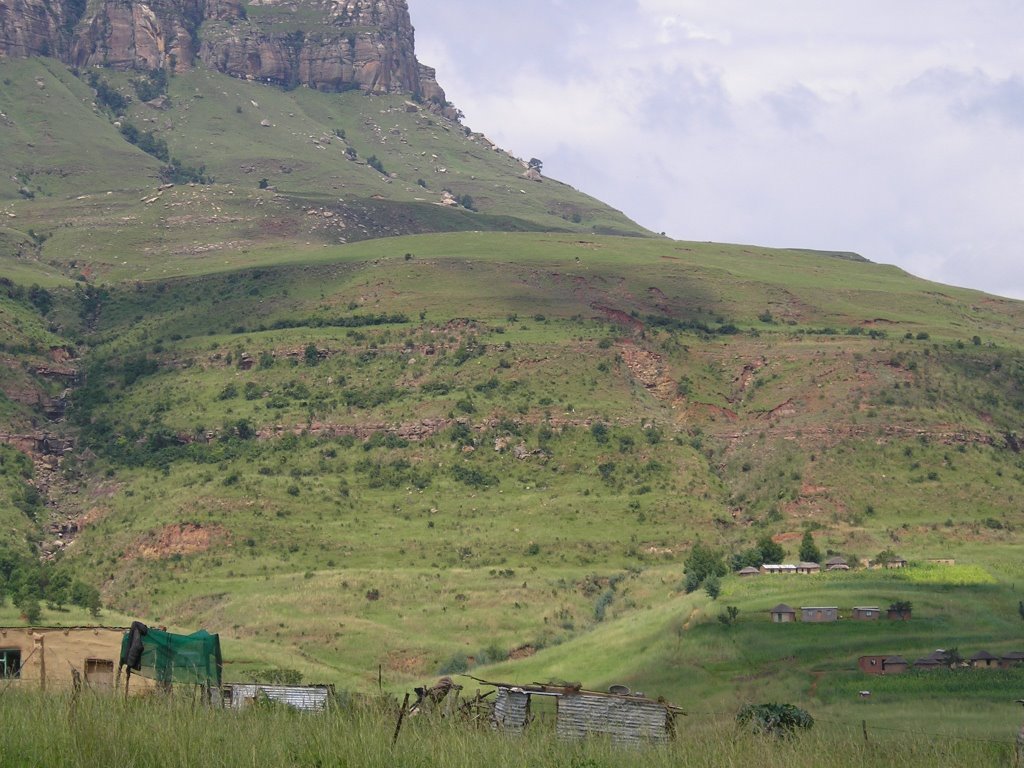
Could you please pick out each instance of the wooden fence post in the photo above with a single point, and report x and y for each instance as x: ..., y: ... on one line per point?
x: 401, y: 717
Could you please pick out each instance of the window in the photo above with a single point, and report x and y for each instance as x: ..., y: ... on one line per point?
x: 10, y: 663
x: 99, y: 672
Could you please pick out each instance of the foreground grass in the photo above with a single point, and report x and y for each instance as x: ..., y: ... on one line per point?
x: 105, y: 730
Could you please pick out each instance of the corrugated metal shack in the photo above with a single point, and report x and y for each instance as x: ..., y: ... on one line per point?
x: 627, y: 719
x: 308, y: 698
x: 512, y: 710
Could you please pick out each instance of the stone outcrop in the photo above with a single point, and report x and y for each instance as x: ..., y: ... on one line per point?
x: 331, y: 45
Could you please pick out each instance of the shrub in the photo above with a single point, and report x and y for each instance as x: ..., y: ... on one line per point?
x: 729, y: 615
x: 276, y: 676
x: 779, y: 720
x: 229, y: 392
x: 311, y: 355
x: 713, y: 586
x: 601, y: 606
x: 473, y: 477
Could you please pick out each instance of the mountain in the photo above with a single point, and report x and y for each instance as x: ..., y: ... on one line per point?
x: 334, y: 375
x: 328, y: 46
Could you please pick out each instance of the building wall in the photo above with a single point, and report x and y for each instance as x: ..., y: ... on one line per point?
x: 92, y: 650
x: 625, y: 721
x: 310, y: 698
x: 511, y: 711
x: 819, y: 614
x: 871, y: 665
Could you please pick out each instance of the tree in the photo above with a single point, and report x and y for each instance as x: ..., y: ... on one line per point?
x: 86, y: 596
x: 901, y: 607
x: 771, y: 551
x: 713, y: 586
x: 702, y: 563
x: 809, y: 552
x: 29, y: 606
x: 884, y: 557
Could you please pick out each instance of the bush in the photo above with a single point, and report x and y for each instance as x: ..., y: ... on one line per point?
x: 713, y: 586
x: 151, y: 85
x: 276, y: 676
x: 601, y: 606
x: 779, y: 720
x: 729, y: 615
x: 107, y: 96
x: 473, y: 477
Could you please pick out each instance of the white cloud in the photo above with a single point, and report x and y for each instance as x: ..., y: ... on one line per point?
x: 889, y: 129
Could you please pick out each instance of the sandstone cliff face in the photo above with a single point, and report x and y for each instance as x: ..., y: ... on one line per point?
x: 32, y: 28
x: 129, y: 35
x: 332, y: 45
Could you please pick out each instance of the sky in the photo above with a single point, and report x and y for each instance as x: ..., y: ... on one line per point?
x: 892, y: 129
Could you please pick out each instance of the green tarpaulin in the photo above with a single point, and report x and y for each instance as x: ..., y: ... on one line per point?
x: 170, y: 658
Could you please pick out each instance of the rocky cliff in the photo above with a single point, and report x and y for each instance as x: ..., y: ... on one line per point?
x: 331, y: 45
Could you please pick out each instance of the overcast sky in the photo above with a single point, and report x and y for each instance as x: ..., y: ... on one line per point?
x: 893, y: 129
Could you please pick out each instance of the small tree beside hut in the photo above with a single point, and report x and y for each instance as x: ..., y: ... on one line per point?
x: 809, y: 552
x: 900, y: 610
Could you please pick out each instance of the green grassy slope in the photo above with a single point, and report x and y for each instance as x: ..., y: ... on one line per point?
x: 454, y: 446
x: 96, y: 206
x: 347, y: 448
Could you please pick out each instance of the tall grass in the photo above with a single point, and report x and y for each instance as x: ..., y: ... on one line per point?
x: 99, y: 730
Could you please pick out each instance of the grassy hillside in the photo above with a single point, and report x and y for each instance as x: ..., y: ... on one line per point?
x: 348, y: 448
x: 289, y: 169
